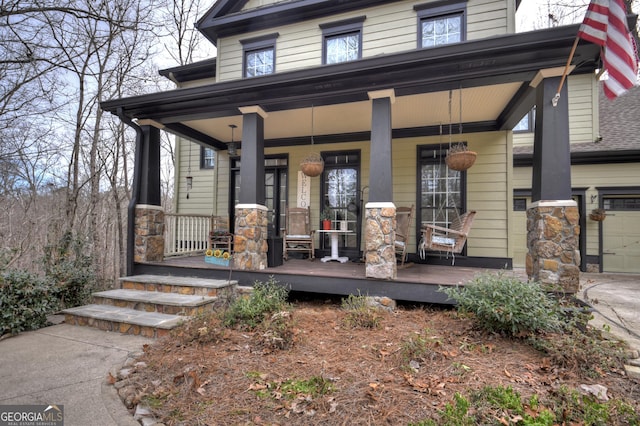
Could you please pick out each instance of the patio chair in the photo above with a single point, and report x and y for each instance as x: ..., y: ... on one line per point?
x: 219, y: 235
x: 450, y: 240
x: 298, y: 235
x: 404, y: 216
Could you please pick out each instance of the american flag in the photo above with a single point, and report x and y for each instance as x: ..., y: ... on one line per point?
x: 605, y: 24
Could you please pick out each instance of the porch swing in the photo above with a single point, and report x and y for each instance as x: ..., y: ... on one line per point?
x: 452, y: 239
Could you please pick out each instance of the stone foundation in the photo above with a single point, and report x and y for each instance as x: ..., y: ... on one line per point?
x: 250, y: 241
x: 149, y: 234
x: 380, y: 235
x: 553, y: 233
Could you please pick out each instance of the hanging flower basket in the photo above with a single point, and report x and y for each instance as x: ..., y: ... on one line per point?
x: 459, y: 158
x: 313, y: 165
x: 598, y: 215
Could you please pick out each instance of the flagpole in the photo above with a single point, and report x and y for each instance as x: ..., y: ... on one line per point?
x: 565, y: 72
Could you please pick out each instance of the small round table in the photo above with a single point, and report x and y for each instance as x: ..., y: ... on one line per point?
x: 334, y: 245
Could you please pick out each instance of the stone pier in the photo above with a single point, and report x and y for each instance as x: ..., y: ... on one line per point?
x: 149, y: 233
x: 553, y: 234
x: 250, y: 241
x: 380, y: 235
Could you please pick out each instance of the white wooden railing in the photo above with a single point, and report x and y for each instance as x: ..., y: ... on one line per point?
x: 186, y: 233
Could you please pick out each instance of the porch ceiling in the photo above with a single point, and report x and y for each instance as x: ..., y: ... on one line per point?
x: 479, y: 104
x: 494, y: 76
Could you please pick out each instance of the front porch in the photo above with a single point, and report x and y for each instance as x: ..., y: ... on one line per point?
x: 414, y: 283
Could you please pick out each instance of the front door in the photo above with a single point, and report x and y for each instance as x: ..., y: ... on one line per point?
x: 340, y: 194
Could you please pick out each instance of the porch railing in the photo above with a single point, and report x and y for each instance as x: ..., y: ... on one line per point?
x: 186, y: 233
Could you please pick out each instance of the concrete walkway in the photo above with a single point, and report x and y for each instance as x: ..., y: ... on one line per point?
x: 67, y: 365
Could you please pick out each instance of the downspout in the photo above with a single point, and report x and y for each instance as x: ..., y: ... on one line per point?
x: 135, y: 190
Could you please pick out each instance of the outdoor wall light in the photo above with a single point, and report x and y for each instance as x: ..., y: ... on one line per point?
x: 232, y: 145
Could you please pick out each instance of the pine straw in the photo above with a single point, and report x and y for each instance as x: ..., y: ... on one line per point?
x: 219, y: 382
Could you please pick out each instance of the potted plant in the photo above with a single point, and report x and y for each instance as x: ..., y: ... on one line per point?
x: 312, y: 165
x: 217, y: 257
x: 598, y: 215
x: 325, y: 217
x: 460, y: 158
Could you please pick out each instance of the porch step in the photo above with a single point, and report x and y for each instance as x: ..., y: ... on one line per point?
x: 179, y: 285
x: 122, y: 320
x: 151, y: 305
x: 153, y: 301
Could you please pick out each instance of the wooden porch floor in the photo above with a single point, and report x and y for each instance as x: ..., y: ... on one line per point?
x: 414, y: 282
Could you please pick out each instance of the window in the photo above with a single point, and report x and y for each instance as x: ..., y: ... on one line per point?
x: 342, y: 41
x: 259, y: 55
x: 207, y: 158
x: 622, y: 203
x: 441, y: 189
x: 441, y: 23
x: 519, y: 204
x: 527, y: 123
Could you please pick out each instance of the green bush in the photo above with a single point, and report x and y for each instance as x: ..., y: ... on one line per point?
x: 71, y: 270
x: 25, y: 301
x: 360, y: 314
x: 507, y: 305
x: 249, y: 312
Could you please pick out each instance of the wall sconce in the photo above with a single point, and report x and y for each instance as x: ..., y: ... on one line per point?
x: 189, y: 184
x: 232, y: 145
x: 593, y: 198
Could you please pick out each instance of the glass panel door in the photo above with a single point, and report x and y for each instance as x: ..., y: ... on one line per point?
x: 341, y: 199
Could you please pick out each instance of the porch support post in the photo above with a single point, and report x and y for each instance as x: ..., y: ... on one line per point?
x: 553, y: 228
x: 250, y: 240
x: 148, y: 244
x: 380, y: 224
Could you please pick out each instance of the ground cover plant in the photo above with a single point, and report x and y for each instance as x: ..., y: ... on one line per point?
x: 332, y: 362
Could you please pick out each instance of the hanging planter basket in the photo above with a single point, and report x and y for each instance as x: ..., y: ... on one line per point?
x: 460, y: 160
x: 598, y: 215
x: 313, y: 165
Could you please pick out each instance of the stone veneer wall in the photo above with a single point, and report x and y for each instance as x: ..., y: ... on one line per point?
x: 380, y: 235
x: 149, y: 234
x: 553, y: 233
x: 250, y: 240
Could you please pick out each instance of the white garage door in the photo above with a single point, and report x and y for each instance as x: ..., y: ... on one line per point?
x: 621, y: 237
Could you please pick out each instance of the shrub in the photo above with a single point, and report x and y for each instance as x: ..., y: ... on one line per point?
x: 249, y: 312
x: 71, y: 270
x: 25, y: 301
x: 506, y: 304
x: 360, y: 313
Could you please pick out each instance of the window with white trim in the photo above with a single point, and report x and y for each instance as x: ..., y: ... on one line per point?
x: 342, y: 41
x: 441, y: 23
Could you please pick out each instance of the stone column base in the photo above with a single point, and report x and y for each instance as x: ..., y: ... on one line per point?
x: 553, y: 234
x: 380, y: 235
x: 149, y: 234
x: 250, y: 241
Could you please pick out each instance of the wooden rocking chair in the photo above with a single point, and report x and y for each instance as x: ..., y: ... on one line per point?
x: 450, y: 240
x: 298, y: 235
x: 404, y: 215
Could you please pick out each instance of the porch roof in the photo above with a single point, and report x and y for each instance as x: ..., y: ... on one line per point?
x: 493, y: 75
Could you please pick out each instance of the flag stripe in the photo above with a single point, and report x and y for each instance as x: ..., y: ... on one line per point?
x: 605, y: 24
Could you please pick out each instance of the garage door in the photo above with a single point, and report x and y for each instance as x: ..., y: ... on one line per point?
x: 621, y: 236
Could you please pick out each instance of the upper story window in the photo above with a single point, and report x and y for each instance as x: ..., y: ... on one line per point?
x: 526, y: 125
x: 207, y: 158
x: 259, y: 55
x: 342, y: 41
x: 441, y: 23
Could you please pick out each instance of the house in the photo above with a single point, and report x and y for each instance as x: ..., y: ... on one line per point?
x: 381, y: 90
x: 605, y: 174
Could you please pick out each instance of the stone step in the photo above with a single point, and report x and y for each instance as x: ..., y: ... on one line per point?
x: 153, y: 301
x: 123, y: 320
x: 180, y: 285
